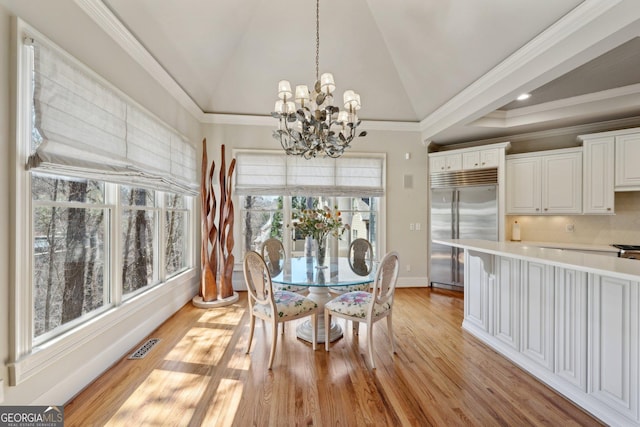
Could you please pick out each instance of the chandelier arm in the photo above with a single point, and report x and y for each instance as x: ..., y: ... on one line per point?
x: 317, y: 40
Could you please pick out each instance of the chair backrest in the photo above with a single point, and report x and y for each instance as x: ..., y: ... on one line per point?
x: 386, y: 278
x: 258, y: 279
x: 361, y: 256
x: 272, y: 251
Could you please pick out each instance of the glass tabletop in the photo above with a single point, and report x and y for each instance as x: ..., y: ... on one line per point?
x: 302, y: 271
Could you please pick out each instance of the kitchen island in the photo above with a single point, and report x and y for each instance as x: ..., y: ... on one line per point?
x: 568, y: 318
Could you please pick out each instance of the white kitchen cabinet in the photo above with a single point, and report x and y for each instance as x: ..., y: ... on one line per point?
x: 537, y: 313
x: 481, y: 159
x: 627, y: 167
x: 571, y: 327
x: 445, y: 163
x: 478, y: 268
x: 613, y: 337
x: 549, y: 183
x: 598, y: 176
x: 507, y: 297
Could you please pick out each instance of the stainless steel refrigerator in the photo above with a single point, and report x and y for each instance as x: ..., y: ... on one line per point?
x: 464, y: 205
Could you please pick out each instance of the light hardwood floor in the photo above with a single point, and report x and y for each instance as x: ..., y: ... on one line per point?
x: 199, y: 375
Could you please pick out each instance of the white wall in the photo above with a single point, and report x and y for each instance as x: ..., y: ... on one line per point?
x: 66, y: 25
x: 403, y: 206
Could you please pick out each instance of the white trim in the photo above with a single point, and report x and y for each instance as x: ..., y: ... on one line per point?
x: 114, y: 28
x: 1, y: 390
x: 80, y: 338
x: 247, y: 120
x: 539, y: 61
x: 570, y: 130
x: 584, y: 105
x: 111, y: 25
x: 413, y: 282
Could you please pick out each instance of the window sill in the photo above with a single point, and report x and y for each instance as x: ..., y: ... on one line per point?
x: 89, y: 335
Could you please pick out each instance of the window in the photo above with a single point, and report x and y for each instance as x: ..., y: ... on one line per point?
x: 104, y: 209
x: 272, y: 185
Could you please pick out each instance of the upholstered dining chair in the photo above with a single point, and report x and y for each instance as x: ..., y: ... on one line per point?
x: 361, y: 263
x: 273, y: 253
x: 369, y: 307
x: 274, y: 306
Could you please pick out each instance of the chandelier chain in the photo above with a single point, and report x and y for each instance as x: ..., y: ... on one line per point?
x: 308, y: 123
x: 317, y: 40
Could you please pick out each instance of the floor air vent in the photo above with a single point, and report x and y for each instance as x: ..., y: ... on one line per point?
x: 144, y: 348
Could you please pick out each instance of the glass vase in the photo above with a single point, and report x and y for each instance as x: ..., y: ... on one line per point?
x: 321, y: 252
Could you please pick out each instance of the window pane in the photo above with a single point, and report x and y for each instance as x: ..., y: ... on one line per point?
x: 63, y: 189
x: 174, y: 201
x: 137, y: 238
x: 131, y: 196
x: 69, y: 259
x: 261, y: 218
x: 175, y: 249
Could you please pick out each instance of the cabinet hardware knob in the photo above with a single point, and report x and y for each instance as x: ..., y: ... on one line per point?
x: 608, y: 209
x: 546, y: 209
x: 537, y: 209
x: 475, y: 164
x: 448, y: 167
x: 482, y: 163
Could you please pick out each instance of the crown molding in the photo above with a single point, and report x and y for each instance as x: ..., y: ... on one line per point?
x: 111, y: 25
x: 542, y: 55
x: 617, y: 99
x: 247, y: 120
x: 569, y: 130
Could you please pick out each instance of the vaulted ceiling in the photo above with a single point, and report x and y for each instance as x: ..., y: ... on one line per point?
x: 449, y: 68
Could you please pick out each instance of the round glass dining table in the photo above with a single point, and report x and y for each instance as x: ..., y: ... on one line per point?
x: 336, y: 273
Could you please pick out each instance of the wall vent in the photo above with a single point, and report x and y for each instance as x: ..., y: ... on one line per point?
x: 144, y: 348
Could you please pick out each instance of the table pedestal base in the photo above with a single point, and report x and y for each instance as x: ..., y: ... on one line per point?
x: 320, y: 295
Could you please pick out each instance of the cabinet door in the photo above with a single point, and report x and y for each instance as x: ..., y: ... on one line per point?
x: 627, y: 161
x: 448, y: 163
x: 490, y: 158
x: 537, y: 313
x: 437, y: 164
x: 598, y: 176
x: 613, y: 337
x: 523, y: 185
x: 507, y: 297
x: 453, y: 162
x: 571, y: 327
x: 471, y: 160
x: 478, y: 268
x: 562, y: 183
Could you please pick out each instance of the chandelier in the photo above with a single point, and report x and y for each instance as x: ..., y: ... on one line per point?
x: 310, y: 124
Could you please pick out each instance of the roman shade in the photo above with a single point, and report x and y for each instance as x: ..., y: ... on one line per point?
x: 275, y: 173
x: 84, y: 127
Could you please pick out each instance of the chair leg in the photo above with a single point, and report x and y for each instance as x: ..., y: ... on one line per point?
x: 327, y: 328
x: 252, y: 324
x: 356, y: 327
x: 370, y: 343
x: 389, y: 326
x: 314, y: 330
x: 282, y: 327
x: 274, y: 341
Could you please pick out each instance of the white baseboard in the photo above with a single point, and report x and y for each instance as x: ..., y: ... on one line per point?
x: 1, y: 391
x: 413, y: 282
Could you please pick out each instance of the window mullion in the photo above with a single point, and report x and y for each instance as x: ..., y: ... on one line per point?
x: 114, y: 288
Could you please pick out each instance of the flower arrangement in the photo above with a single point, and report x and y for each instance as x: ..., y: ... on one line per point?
x: 319, y: 223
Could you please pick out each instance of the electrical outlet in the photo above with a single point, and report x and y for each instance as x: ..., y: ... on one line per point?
x: 569, y: 228
x: 408, y: 267
x: 418, y: 226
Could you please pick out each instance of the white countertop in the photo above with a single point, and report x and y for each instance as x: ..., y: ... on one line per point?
x: 572, y: 246
x: 627, y: 269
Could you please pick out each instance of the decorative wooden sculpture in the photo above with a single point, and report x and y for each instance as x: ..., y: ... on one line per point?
x: 216, y: 241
